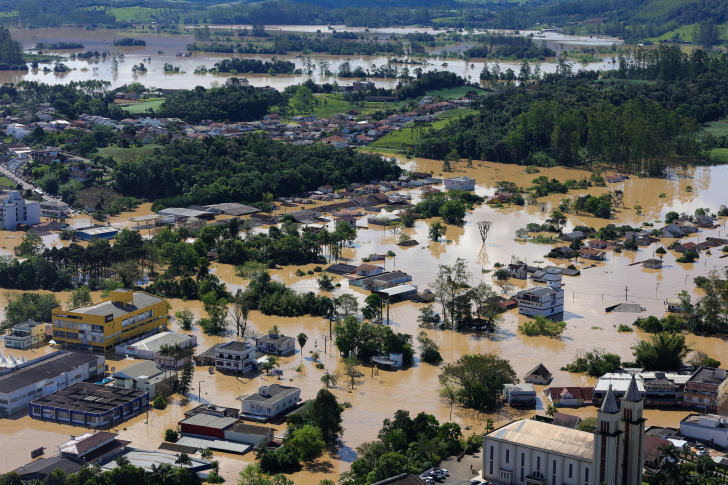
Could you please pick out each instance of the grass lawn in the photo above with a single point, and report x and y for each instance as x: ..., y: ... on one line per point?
x: 331, y: 104
x: 127, y: 154
x: 144, y: 106
x: 403, y: 136
x: 452, y: 92
x: 720, y: 154
x: 717, y: 128
x: 141, y: 14
x: 6, y: 182
x: 686, y: 33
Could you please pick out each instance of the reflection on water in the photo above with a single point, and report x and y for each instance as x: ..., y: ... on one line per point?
x: 171, y: 44
x: 415, y: 389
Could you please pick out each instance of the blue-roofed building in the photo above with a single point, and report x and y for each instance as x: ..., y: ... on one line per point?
x: 105, y: 232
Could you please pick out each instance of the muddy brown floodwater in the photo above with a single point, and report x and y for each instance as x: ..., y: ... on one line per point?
x: 376, y: 397
x: 163, y: 48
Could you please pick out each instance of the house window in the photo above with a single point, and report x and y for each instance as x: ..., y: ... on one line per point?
x: 508, y: 456
x: 586, y: 476
x: 491, y: 461
x: 523, y: 465
x: 571, y: 469
x: 538, y: 463
x: 553, y: 472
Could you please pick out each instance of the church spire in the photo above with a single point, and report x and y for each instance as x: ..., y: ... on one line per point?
x: 633, y: 392
x: 610, y: 402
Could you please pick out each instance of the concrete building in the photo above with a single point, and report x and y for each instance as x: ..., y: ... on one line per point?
x: 276, y: 344
x: 149, y: 348
x: 249, y: 433
x: 42, y: 467
x: 89, y: 405
x: 207, y: 425
x: 234, y: 356
x: 520, y: 394
x: 21, y: 384
x: 531, y: 452
x: 706, y: 390
x: 545, y: 301
x: 707, y: 428
x: 270, y: 401
x: 25, y: 335
x: 15, y: 210
x: 460, y: 183
x: 126, y: 315
x: 147, y: 459
x: 53, y: 208
x: 146, y: 376
x: 652, y: 263
x: 105, y: 232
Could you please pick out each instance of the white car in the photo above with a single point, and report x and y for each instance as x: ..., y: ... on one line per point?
x: 701, y: 453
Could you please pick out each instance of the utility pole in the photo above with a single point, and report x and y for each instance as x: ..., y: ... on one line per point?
x: 199, y: 391
x: 625, y: 293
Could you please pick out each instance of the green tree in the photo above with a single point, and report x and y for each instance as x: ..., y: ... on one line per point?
x: 373, y: 308
x: 185, y: 318
x: 188, y: 371
x: 436, y: 231
x: 79, y: 297
x: 351, y: 369
x: 329, y: 378
x: 171, y: 435
x: 308, y: 442
x: 453, y: 212
x: 478, y: 379
x: 661, y: 351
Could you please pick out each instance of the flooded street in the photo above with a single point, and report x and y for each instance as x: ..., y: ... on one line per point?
x: 163, y: 48
x: 376, y: 397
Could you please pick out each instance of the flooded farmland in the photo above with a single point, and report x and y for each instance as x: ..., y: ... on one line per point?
x: 379, y: 394
x: 163, y: 48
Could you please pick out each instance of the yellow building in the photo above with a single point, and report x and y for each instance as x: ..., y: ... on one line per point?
x: 25, y: 335
x: 127, y: 314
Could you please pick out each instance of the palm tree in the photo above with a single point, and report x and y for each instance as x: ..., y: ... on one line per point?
x: 183, y: 459
x: 302, y: 339
x: 551, y: 411
x: 329, y: 379
x: 269, y: 364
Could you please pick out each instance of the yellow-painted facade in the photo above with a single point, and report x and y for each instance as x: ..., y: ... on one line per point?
x: 127, y: 314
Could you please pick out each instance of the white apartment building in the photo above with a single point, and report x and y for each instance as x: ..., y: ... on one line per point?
x: 460, y: 183
x: 543, y: 300
x: 15, y: 210
x: 234, y: 356
x: 271, y: 401
x: 39, y: 377
x: 53, y: 208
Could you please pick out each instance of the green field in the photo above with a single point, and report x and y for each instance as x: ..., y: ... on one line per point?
x: 6, y: 182
x: 404, y: 136
x: 144, y: 106
x: 126, y: 154
x: 455, y: 113
x: 451, y: 93
x: 717, y: 128
x: 331, y: 104
x: 720, y: 154
x: 686, y: 33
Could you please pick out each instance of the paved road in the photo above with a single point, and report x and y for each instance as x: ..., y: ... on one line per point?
x: 6, y: 172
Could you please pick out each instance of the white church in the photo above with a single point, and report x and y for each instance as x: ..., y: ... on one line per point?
x: 530, y: 452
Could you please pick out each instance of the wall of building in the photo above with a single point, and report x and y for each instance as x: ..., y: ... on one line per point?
x: 718, y: 435
x: 248, y: 438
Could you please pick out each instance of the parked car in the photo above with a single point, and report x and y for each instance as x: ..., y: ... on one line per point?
x: 701, y: 453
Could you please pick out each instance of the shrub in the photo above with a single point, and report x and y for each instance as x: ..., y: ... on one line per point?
x: 159, y: 403
x: 171, y: 435
x: 542, y: 326
x: 624, y: 328
x: 299, y: 272
x: 319, y: 365
x: 317, y: 269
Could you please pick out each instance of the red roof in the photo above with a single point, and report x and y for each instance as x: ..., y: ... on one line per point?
x: 689, y: 245
x: 585, y: 393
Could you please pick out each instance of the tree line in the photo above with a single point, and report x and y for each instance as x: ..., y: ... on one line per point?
x: 243, y: 169
x: 572, y: 121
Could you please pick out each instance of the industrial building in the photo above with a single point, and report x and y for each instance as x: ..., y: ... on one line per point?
x: 89, y: 405
x: 126, y: 315
x: 21, y: 384
x: 102, y: 232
